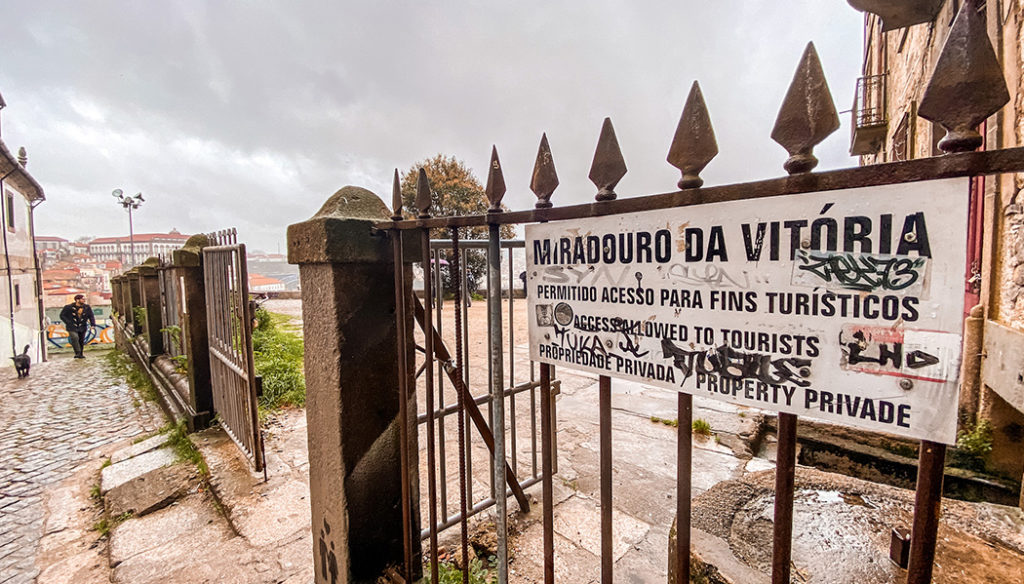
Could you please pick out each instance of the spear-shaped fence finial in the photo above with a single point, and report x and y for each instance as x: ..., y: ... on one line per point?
x: 608, y: 167
x: 495, y: 189
x: 900, y: 14
x: 967, y: 84
x: 423, y: 194
x: 807, y: 116
x: 694, y: 144
x: 396, y: 198
x: 545, y: 179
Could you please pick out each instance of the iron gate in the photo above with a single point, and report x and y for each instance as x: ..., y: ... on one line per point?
x: 966, y: 87
x: 229, y: 322
x: 520, y: 393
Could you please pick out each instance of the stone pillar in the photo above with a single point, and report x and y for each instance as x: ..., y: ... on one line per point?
x: 118, y: 285
x: 352, y: 392
x: 149, y: 282
x: 188, y: 272
x: 134, y: 301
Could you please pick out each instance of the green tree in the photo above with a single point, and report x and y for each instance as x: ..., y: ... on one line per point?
x: 454, y: 190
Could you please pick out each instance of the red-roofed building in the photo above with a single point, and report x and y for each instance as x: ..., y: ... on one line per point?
x: 146, y: 245
x: 261, y: 283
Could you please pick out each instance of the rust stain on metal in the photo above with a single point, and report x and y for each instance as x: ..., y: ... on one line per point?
x: 423, y: 194
x: 694, y: 144
x: 608, y: 167
x: 807, y: 116
x: 900, y: 14
x: 545, y: 179
x: 495, y: 189
x: 967, y: 85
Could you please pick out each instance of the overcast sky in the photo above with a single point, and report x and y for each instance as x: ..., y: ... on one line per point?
x: 249, y: 114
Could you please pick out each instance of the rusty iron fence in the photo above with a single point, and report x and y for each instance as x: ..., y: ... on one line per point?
x: 966, y: 87
x: 200, y: 356
x: 232, y: 368
x: 450, y: 448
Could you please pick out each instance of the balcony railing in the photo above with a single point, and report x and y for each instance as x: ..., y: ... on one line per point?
x: 869, y: 115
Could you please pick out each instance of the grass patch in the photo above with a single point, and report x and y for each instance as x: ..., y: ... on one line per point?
x: 95, y: 493
x: 701, y: 426
x: 666, y: 421
x: 177, y: 439
x: 119, y: 365
x: 278, y: 357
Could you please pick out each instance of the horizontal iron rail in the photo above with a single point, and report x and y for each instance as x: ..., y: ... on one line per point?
x: 476, y: 243
x: 484, y: 398
x: 226, y: 360
x: 477, y: 508
x: 921, y: 169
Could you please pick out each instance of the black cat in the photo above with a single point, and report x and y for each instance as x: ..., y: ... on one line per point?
x: 22, y: 362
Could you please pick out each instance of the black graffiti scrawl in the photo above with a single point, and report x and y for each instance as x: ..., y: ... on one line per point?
x: 328, y: 559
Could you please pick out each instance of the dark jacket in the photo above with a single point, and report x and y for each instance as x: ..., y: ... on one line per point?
x: 76, y: 318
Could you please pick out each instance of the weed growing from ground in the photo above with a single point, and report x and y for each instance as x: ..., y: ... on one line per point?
x: 177, y: 439
x: 105, y: 525
x: 702, y: 427
x: 278, y: 357
x: 973, y: 444
x: 119, y: 365
x: 668, y: 422
x: 449, y: 573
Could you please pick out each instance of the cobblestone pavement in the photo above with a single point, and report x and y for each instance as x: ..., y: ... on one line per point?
x: 50, y: 424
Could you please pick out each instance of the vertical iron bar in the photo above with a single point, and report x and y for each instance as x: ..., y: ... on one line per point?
x: 466, y: 360
x: 927, y: 508
x: 605, y: 389
x: 438, y: 289
x: 785, y: 475
x: 464, y: 478
x: 497, y: 397
x: 684, y: 468
x: 403, y: 402
x: 554, y: 420
x: 428, y: 378
x: 512, y: 369
x: 548, y: 487
x: 533, y: 429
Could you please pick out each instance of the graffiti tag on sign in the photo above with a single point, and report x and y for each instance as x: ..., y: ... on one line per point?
x: 822, y: 305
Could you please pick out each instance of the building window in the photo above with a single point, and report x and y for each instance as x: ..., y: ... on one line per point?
x: 10, y: 211
x: 17, y: 295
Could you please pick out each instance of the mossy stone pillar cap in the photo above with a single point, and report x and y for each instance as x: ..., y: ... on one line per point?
x: 342, y: 231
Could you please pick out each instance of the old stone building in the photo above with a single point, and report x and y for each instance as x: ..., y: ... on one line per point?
x: 897, y: 66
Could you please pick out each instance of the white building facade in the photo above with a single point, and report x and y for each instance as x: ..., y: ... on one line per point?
x: 21, y: 312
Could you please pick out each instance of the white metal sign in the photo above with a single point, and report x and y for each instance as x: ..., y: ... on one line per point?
x: 844, y: 306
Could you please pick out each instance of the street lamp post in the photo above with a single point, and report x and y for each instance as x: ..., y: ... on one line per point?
x: 129, y: 203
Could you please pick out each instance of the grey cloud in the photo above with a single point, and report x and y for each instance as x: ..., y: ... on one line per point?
x: 251, y: 113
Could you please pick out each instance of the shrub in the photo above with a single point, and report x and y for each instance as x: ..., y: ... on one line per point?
x: 973, y: 444
x: 448, y: 573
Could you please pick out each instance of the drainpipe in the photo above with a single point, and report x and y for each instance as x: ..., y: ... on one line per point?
x: 39, y: 279
x: 7, y: 259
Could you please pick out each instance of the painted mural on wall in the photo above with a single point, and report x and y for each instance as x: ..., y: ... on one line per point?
x: 101, y: 334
